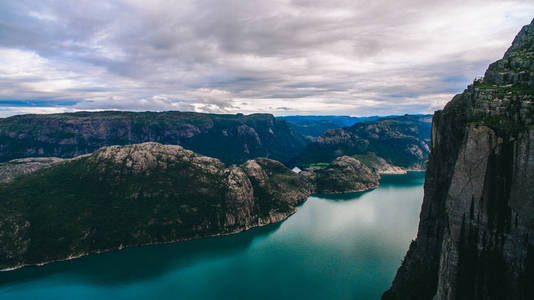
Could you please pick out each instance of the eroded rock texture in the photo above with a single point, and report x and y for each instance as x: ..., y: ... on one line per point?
x: 344, y: 175
x: 475, y: 238
x: 141, y: 194
x: 18, y: 167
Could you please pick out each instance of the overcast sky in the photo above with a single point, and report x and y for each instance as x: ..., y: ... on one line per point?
x: 283, y: 57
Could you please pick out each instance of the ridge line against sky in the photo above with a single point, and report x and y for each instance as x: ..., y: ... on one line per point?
x: 281, y: 57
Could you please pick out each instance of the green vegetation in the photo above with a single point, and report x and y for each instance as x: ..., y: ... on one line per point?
x: 19, y: 167
x: 317, y: 166
x: 345, y: 174
x: 311, y: 127
x: 501, y: 125
x: 401, y: 141
x: 231, y: 138
x: 521, y: 89
x: 502, y: 91
x: 311, y: 131
x: 371, y: 160
x: 481, y: 84
x: 132, y: 195
x: 501, y: 122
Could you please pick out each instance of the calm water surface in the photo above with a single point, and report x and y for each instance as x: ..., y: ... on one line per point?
x: 342, y: 247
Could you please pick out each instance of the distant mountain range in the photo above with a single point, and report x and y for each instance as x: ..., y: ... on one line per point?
x: 311, y: 127
x: 401, y: 140
x: 230, y: 138
x: 339, y: 121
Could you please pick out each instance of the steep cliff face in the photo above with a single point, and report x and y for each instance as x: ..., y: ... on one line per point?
x: 402, y: 141
x: 123, y: 196
x: 231, y: 138
x: 477, y: 219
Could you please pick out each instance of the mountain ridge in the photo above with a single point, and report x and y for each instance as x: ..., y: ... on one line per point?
x: 231, y: 138
x: 402, y: 141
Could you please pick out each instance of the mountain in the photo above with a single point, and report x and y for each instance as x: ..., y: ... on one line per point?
x: 378, y: 164
x: 345, y: 175
x: 231, y: 138
x: 312, y: 127
x: 402, y: 141
x: 476, y: 229
x: 340, y: 121
x: 123, y: 196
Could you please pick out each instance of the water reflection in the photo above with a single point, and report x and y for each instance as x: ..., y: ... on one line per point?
x: 140, y: 263
x: 342, y: 197
x: 411, y: 179
x: 340, y: 247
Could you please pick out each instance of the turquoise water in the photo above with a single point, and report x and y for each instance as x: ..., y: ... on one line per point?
x: 342, y: 247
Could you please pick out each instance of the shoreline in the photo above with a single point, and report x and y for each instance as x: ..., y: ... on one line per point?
x: 401, y: 172
x: 274, y: 219
x: 404, y: 172
x: 121, y: 247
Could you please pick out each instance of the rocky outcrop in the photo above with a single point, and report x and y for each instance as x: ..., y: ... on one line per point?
x: 18, y: 167
x: 344, y: 175
x: 477, y: 219
x: 123, y: 196
x: 402, y: 141
x: 380, y: 165
x: 230, y: 138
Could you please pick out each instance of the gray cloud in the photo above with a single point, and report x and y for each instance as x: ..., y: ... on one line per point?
x: 285, y: 57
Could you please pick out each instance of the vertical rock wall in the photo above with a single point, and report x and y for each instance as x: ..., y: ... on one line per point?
x: 477, y: 219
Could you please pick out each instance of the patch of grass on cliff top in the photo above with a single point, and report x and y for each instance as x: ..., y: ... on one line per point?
x: 522, y: 53
x: 500, y: 124
x: 522, y: 89
x: 318, y: 166
x: 485, y: 85
x: 517, y: 89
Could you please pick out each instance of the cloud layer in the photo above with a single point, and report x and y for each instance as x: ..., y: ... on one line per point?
x: 278, y: 56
